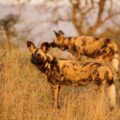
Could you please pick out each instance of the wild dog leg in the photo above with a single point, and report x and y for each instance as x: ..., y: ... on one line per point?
x: 100, y: 60
x: 56, y: 91
x: 98, y: 89
x: 78, y: 56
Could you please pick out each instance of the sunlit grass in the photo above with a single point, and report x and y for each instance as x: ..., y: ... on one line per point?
x: 25, y: 94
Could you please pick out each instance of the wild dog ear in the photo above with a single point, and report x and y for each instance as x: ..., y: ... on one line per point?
x: 31, y: 46
x: 56, y: 33
x: 61, y: 32
x: 45, y: 47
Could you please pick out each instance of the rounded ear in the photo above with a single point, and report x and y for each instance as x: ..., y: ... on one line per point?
x: 45, y: 47
x: 61, y: 32
x: 31, y: 46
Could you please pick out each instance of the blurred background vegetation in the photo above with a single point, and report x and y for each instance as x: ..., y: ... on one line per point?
x: 35, y: 20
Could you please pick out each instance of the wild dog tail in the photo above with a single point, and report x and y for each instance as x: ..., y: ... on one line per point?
x: 111, y: 93
x: 115, y: 60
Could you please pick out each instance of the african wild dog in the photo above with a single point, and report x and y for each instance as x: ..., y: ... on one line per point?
x: 102, y: 49
x: 61, y: 72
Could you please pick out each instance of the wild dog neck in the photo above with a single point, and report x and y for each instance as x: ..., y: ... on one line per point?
x: 48, y: 64
x: 64, y: 43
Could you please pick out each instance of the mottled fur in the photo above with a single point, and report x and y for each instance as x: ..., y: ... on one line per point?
x: 102, y: 49
x: 66, y: 72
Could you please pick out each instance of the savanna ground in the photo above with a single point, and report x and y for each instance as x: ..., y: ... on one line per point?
x: 25, y: 94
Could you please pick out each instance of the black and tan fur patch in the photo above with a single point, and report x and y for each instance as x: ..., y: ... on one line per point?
x: 66, y: 72
x: 101, y: 49
x: 88, y: 46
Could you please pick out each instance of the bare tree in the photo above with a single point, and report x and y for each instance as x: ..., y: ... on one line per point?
x: 52, y: 20
x: 80, y: 13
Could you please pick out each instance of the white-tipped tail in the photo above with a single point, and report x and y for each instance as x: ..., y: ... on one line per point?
x: 115, y: 62
x: 112, y: 95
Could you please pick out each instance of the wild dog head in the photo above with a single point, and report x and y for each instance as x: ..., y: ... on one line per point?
x: 39, y: 55
x: 58, y: 40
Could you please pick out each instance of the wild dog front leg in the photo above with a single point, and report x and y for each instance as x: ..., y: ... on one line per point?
x: 56, y: 92
x: 100, y: 59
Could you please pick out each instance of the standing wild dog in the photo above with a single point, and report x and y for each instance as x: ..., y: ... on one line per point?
x: 102, y: 49
x: 66, y: 72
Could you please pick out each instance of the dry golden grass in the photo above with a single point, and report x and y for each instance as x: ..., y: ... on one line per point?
x: 25, y: 94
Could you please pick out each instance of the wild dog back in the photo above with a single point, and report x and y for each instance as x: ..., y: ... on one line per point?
x: 82, y: 73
